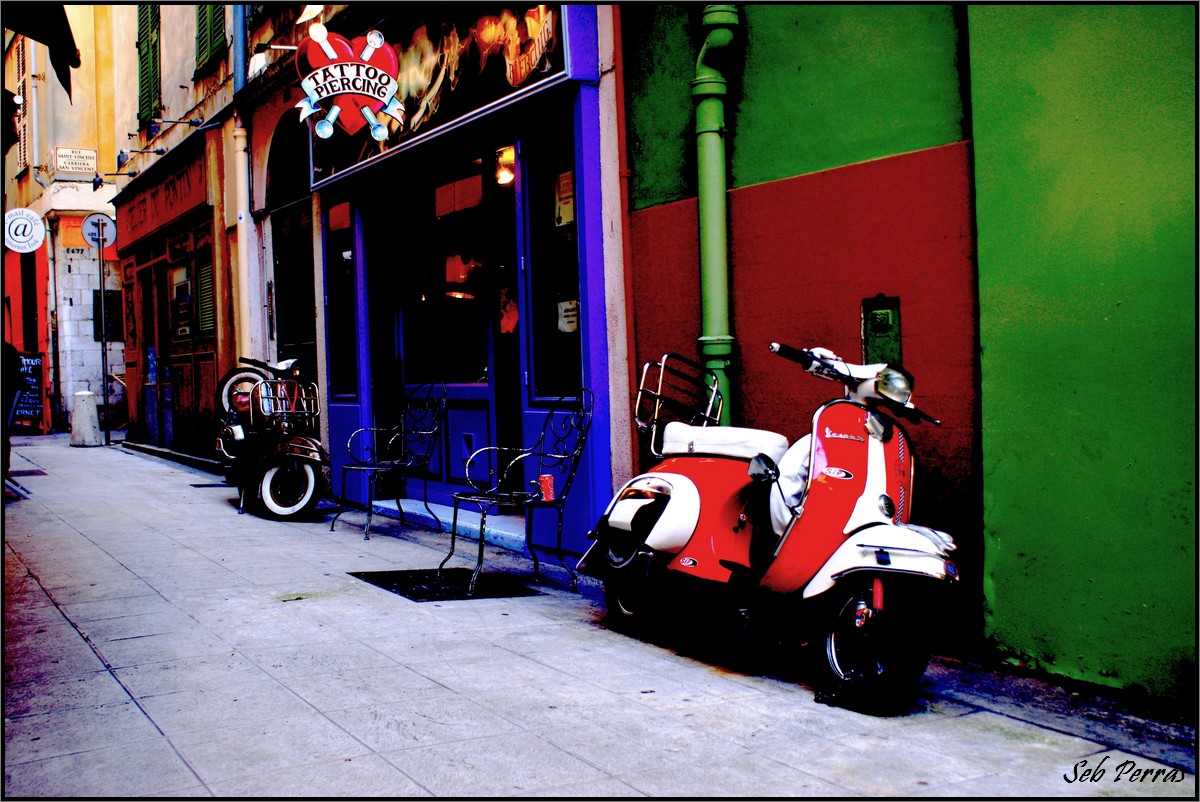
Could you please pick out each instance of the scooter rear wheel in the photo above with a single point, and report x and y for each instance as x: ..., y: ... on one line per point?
x: 289, y: 488
x: 627, y: 598
x: 623, y: 603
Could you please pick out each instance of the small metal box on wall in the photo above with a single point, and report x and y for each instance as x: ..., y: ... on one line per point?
x: 881, y: 330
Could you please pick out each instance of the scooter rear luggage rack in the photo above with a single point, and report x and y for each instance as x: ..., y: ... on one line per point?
x: 675, y: 388
x: 286, y: 400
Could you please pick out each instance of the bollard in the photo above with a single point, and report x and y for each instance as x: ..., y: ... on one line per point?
x: 85, y: 422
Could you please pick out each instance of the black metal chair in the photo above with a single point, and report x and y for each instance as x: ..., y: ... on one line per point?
x: 405, y: 449
x: 536, y: 477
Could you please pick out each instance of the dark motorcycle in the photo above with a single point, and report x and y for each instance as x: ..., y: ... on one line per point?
x: 269, y: 440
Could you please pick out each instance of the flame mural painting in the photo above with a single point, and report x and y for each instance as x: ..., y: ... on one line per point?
x: 391, y: 90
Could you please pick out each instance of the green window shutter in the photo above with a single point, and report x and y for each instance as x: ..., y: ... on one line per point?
x: 202, y: 17
x: 149, y: 62
x: 210, y: 33
x: 217, y: 31
x: 206, y: 302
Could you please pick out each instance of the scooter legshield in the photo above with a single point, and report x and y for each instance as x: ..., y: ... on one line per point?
x: 856, y: 478
x: 888, y: 548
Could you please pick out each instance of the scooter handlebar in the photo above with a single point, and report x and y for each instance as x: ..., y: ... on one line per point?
x: 798, y: 355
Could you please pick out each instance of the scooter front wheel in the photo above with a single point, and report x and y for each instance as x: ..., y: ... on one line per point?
x: 289, y: 488
x: 872, y: 654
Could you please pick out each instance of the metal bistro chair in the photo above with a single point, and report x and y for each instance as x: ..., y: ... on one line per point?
x: 405, y: 449
x: 551, y: 461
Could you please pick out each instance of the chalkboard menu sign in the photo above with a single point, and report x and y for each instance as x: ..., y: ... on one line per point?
x: 29, y: 405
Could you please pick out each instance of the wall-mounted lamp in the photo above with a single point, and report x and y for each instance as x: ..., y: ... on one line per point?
x: 98, y: 182
x: 263, y: 47
x: 506, y: 160
x: 157, y: 123
x: 123, y: 155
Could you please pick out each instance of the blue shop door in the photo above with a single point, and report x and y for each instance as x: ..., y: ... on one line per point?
x: 348, y: 347
x: 552, y: 356
x: 451, y: 302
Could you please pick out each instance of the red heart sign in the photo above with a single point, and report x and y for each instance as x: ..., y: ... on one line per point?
x: 333, y: 69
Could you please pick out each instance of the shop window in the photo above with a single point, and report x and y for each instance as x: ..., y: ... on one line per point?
x: 341, y: 309
x: 181, y: 302
x: 554, y: 320
x: 457, y: 283
x: 210, y: 34
x: 149, y: 63
x: 190, y: 284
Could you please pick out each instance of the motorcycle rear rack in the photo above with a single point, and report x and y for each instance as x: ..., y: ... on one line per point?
x: 675, y: 388
x: 279, y: 400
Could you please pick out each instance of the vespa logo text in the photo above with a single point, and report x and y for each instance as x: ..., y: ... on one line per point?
x: 839, y: 436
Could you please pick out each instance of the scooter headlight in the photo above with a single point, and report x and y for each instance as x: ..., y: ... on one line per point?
x: 894, y: 385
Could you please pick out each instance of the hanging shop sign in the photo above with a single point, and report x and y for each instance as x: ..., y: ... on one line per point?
x: 24, y: 231
x: 409, y: 78
x: 357, y: 80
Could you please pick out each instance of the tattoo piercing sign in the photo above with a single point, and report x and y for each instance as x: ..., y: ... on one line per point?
x: 356, y: 80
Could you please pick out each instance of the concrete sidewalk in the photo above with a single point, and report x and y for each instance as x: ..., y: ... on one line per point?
x: 156, y: 643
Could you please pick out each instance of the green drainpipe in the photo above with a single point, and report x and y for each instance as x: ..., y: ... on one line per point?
x: 708, y: 91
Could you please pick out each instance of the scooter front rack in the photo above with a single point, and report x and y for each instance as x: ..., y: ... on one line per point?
x: 675, y: 388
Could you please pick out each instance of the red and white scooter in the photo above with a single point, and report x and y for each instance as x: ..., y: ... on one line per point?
x: 816, y: 535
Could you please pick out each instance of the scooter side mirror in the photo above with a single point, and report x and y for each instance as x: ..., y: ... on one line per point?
x: 763, y: 469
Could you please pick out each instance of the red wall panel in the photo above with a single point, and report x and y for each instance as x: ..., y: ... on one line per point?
x: 804, y: 253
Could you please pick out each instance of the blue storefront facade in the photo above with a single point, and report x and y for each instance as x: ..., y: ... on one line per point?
x: 453, y: 217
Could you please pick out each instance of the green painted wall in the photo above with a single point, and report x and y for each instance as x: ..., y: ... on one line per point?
x: 811, y: 88
x: 1084, y: 128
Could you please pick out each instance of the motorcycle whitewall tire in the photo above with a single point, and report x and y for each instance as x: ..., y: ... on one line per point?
x: 289, y: 488
x: 237, y: 381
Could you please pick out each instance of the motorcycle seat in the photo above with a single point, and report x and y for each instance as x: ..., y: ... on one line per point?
x: 723, y: 441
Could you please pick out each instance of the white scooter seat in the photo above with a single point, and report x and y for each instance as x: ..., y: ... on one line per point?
x: 725, y: 441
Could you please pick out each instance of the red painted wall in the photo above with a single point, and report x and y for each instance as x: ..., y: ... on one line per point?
x: 15, y: 317
x: 804, y: 253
